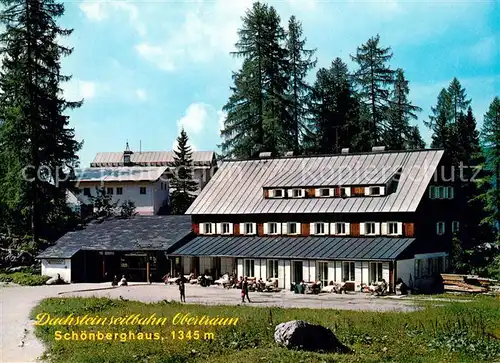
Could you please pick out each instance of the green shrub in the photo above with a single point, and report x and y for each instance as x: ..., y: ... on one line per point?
x: 24, y: 278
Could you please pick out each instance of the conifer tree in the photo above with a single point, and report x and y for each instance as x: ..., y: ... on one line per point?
x: 400, y: 133
x: 333, y: 110
x: 182, y: 185
x: 414, y: 140
x: 441, y: 122
x: 258, y: 109
x: 459, y: 101
x: 490, y: 135
x: 300, y: 62
x: 373, y: 79
x: 34, y: 134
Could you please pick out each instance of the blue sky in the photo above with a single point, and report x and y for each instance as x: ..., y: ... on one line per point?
x: 146, y: 68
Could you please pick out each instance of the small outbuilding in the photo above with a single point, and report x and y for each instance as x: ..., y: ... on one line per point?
x: 135, y: 247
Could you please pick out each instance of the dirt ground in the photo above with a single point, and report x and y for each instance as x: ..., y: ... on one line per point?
x: 18, y: 344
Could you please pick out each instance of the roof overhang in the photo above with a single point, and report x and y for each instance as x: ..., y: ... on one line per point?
x: 309, y: 248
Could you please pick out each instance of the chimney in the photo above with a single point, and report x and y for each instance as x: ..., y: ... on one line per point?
x: 288, y: 154
x: 344, y: 150
x: 378, y: 148
x: 265, y: 155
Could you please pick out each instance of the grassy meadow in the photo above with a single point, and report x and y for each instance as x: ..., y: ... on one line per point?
x: 444, y: 331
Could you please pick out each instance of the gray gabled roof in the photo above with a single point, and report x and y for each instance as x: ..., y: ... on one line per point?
x: 141, y: 233
x: 343, y: 174
x: 120, y: 174
x: 237, y: 187
x: 150, y: 158
x: 327, y: 248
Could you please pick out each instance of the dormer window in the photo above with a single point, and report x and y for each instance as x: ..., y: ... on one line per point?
x: 374, y: 191
x: 296, y: 193
x: 324, y: 192
x: 277, y: 193
x: 345, y: 192
x: 126, y: 158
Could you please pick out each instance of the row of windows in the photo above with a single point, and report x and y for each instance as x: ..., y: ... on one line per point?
x: 110, y: 191
x: 348, y: 270
x: 441, y: 192
x: 316, y: 228
x: 325, y: 192
x: 441, y: 228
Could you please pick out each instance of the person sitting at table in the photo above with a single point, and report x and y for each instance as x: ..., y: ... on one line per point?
x: 123, y: 281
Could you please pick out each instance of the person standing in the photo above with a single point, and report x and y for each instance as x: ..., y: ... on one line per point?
x: 244, y: 290
x: 182, y: 289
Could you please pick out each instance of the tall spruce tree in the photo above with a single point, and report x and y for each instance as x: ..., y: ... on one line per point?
x: 374, y: 79
x: 182, y: 184
x: 34, y: 134
x: 400, y: 134
x: 243, y: 132
x: 333, y: 110
x: 459, y: 101
x: 441, y: 122
x: 414, y: 140
x: 490, y: 135
x: 300, y: 62
x: 258, y: 109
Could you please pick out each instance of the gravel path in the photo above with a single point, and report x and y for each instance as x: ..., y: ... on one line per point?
x: 18, y: 344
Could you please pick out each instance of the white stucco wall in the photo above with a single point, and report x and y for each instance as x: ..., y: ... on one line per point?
x: 52, y: 267
x: 148, y: 203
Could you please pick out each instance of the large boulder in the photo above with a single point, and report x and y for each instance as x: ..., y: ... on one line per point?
x: 299, y: 334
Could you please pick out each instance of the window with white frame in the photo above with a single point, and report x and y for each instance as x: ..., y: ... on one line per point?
x: 370, y: 228
x: 392, y: 228
x: 374, y: 191
x: 225, y: 228
x: 297, y: 193
x: 276, y: 193
x: 119, y: 190
x: 324, y: 192
x: 340, y: 228
x: 455, y: 225
x: 272, y: 269
x: 248, y: 228
x: 319, y: 228
x: 376, y: 272
x: 348, y: 271
x: 293, y: 228
x: 440, y: 228
x: 207, y: 228
x: 249, y: 269
x: 272, y: 228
